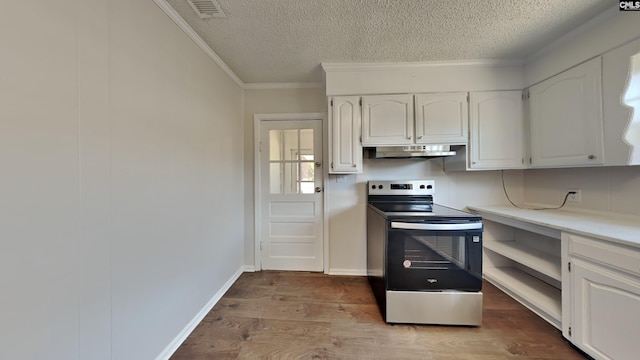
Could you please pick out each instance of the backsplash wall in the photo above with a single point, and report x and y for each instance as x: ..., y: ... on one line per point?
x: 607, y: 189
x: 456, y: 189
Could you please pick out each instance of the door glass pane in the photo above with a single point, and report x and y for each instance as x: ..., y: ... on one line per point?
x: 292, y: 165
x: 306, y: 171
x: 306, y: 187
x: 275, y: 178
x: 290, y: 177
x: 291, y: 144
x: 275, y: 144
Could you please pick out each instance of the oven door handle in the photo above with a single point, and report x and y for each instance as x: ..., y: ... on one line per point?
x: 422, y: 226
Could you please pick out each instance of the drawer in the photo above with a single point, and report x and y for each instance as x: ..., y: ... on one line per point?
x: 617, y: 256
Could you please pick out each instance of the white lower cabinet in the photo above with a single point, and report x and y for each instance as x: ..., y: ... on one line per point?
x: 603, y: 303
x: 606, y: 312
x: 587, y: 286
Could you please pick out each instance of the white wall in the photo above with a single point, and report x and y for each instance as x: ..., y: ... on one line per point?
x: 608, y: 189
x: 120, y: 207
x: 39, y: 198
x: 363, y: 79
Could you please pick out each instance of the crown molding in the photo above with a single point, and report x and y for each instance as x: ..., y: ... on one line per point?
x: 182, y: 24
x: 289, y: 85
x: 331, y: 67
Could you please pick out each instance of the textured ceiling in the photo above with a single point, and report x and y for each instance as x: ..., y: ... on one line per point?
x: 267, y: 41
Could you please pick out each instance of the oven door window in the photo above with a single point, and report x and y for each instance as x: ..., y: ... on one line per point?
x: 434, y: 260
x: 434, y: 252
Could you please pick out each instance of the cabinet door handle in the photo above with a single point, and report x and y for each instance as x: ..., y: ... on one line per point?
x: 591, y: 157
x: 419, y: 137
x: 409, y: 137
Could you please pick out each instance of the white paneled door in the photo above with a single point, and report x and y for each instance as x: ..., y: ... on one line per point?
x: 291, y: 227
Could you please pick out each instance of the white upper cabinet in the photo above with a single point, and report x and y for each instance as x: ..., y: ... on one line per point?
x: 345, y: 149
x: 387, y: 120
x: 497, y: 130
x: 441, y: 118
x: 621, y: 91
x: 566, y: 122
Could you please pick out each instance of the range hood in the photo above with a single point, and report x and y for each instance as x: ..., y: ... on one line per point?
x: 412, y: 151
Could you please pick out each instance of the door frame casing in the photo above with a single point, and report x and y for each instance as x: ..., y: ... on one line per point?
x: 257, y: 191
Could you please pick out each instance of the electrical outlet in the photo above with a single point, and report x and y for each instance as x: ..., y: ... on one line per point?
x: 577, y: 197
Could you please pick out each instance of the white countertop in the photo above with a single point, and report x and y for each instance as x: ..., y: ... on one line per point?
x: 617, y: 228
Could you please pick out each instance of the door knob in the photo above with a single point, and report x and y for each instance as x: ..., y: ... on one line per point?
x: 318, y: 189
x: 318, y: 164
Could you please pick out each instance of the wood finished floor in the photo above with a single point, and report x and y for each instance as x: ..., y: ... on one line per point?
x: 298, y: 315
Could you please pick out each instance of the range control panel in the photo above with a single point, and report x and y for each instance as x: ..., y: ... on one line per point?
x: 401, y: 187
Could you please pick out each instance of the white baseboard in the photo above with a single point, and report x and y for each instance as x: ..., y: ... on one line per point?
x: 182, y: 335
x: 249, y: 268
x: 350, y: 272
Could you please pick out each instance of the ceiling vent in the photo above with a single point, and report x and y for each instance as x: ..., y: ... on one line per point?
x: 207, y: 8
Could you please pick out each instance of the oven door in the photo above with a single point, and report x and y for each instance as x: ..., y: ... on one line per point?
x: 441, y: 255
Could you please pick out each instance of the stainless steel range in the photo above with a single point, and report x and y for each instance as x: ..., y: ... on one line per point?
x: 424, y: 261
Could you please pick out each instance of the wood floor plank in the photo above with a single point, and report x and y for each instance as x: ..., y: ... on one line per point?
x: 301, y: 315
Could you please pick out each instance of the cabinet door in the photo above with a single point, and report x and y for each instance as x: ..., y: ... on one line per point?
x: 566, y: 118
x: 345, y: 150
x: 622, y: 138
x: 605, y: 317
x: 441, y: 118
x: 387, y: 120
x: 497, y: 130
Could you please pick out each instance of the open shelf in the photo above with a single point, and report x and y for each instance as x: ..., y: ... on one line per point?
x: 537, y: 260
x: 540, y: 297
x: 524, y: 260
